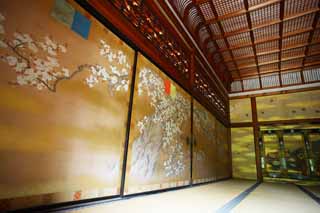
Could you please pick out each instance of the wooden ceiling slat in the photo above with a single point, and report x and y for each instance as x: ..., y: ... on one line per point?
x: 240, y: 12
x: 208, y: 29
x: 268, y: 39
x: 243, y: 30
x: 314, y: 26
x: 252, y: 39
x: 222, y: 31
x: 281, y: 35
x: 262, y: 36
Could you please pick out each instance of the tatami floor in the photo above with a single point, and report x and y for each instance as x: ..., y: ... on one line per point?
x: 224, y: 196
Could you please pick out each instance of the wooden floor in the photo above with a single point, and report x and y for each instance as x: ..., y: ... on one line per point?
x: 267, y: 197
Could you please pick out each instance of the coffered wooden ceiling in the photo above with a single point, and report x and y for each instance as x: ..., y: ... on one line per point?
x: 255, y: 39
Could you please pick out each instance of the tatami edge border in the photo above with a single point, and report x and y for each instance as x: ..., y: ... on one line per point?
x: 226, y: 208
x: 312, y: 195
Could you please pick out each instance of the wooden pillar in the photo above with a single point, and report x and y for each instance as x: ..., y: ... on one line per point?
x: 230, y: 152
x: 256, y: 138
x: 191, y: 84
x: 192, y: 71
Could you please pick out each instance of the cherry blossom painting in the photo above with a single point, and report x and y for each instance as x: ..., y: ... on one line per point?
x: 64, y: 102
x: 204, y: 146
x: 159, y: 155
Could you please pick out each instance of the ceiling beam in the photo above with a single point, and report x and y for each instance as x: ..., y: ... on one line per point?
x: 246, y: 29
x: 289, y: 69
x: 210, y: 33
x: 239, y: 12
x: 314, y: 25
x: 246, y: 5
x: 222, y: 32
x: 275, y: 38
x: 277, y: 51
x: 281, y: 38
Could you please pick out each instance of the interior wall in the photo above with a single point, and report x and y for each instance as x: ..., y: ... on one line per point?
x: 240, y: 110
x: 223, y: 156
x: 301, y: 105
x: 65, y: 89
x: 205, y: 146
x: 243, y: 153
x: 275, y: 147
x: 158, y: 155
x: 65, y: 82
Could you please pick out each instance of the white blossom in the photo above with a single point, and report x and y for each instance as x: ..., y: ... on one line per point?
x: 51, y: 51
x: 114, y: 79
x: 170, y: 114
x: 91, y: 80
x: 65, y: 72
x: 21, y: 80
x: 33, y: 47
x: 23, y: 38
x: 117, y: 74
x: 12, y: 60
x: 62, y: 48
x: 21, y: 66
x: 36, y: 62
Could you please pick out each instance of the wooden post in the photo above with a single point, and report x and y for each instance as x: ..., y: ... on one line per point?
x: 256, y: 138
x: 191, y: 84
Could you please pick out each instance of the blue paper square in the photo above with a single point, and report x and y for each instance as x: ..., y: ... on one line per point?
x: 81, y: 25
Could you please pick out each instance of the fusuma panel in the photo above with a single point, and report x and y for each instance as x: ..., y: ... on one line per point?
x: 204, y: 144
x: 159, y: 153
x: 64, y: 89
x: 243, y: 153
x: 223, y: 158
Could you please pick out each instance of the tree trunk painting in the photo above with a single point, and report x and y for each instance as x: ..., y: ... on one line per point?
x: 159, y: 153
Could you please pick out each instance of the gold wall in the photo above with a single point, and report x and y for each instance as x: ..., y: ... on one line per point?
x: 315, y: 151
x: 223, y: 158
x: 275, y: 108
x: 205, y: 147
x: 158, y: 155
x: 299, y: 105
x: 240, y: 110
x: 64, y: 104
x: 243, y: 153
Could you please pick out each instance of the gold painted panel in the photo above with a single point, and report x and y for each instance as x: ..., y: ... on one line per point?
x: 300, y: 105
x: 315, y: 152
x: 223, y: 155
x: 64, y: 103
x: 272, y: 155
x: 204, y: 148
x: 158, y: 154
x: 240, y: 110
x: 295, y: 154
x: 243, y: 153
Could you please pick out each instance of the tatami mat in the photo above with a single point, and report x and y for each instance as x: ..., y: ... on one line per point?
x: 205, y: 198
x: 314, y: 190
x: 282, y: 198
